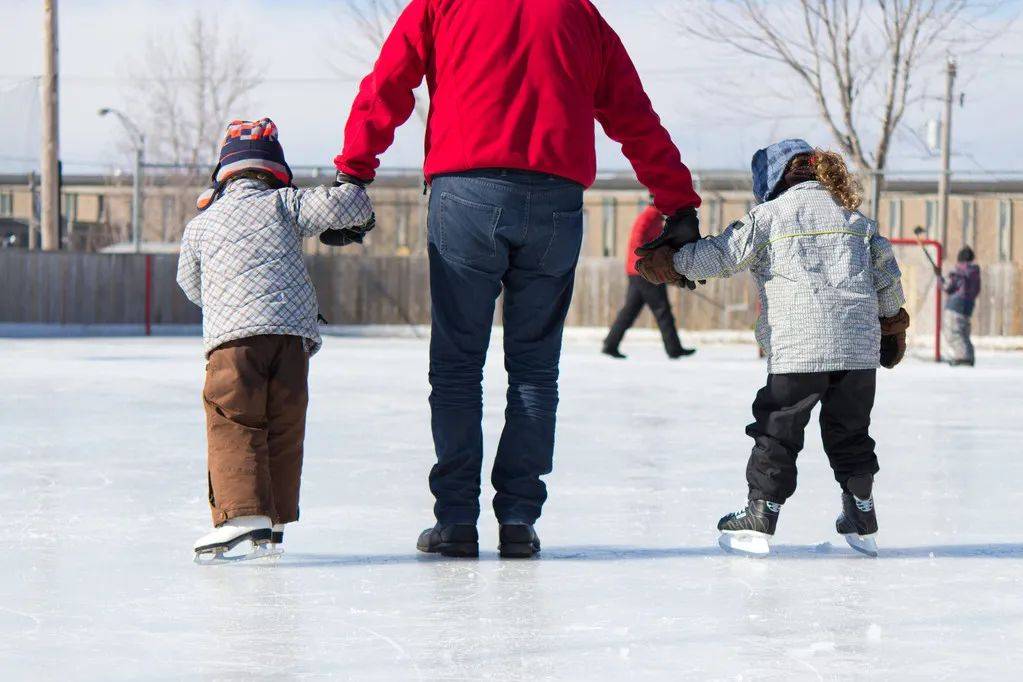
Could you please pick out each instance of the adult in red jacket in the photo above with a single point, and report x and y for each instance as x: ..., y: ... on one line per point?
x: 514, y: 89
x: 647, y: 227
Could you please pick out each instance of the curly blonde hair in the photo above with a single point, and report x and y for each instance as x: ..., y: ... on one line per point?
x: 835, y: 176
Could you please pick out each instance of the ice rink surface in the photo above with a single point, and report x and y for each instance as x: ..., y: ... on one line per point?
x: 103, y: 491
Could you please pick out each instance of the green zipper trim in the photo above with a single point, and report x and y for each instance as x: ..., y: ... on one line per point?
x: 763, y: 246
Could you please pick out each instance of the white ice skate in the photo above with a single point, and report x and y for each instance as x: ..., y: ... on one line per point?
x: 212, y: 547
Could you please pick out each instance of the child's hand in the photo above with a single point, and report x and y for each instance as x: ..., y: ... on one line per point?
x: 658, y: 267
x: 893, y: 338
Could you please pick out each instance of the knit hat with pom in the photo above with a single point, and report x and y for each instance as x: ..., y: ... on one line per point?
x: 248, y: 146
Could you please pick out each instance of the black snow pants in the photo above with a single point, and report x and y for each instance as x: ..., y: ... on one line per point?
x: 782, y: 410
x: 640, y: 293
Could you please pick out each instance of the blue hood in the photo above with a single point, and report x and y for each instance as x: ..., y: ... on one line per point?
x: 769, y: 166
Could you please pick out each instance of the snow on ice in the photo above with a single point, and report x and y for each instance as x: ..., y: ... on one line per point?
x: 102, y: 486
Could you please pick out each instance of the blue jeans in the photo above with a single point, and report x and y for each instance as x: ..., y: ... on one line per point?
x: 490, y: 230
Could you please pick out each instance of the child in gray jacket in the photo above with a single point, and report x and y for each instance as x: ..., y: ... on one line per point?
x: 831, y: 300
x: 241, y: 262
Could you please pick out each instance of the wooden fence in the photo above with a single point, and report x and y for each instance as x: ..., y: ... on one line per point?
x: 87, y: 288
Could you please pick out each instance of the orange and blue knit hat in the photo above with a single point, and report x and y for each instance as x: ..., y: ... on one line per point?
x: 247, y: 146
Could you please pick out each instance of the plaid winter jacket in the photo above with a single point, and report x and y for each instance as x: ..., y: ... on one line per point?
x: 824, y: 273
x: 241, y: 259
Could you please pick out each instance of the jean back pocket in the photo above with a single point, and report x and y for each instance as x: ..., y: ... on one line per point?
x: 467, y: 231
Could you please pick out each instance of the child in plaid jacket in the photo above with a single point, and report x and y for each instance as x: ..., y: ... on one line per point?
x: 241, y: 262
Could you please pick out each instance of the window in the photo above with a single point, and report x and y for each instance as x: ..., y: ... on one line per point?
x: 6, y: 204
x: 610, y: 213
x: 712, y: 216
x: 895, y: 218
x: 1005, y: 229
x: 69, y: 202
x: 931, y: 217
x: 969, y: 222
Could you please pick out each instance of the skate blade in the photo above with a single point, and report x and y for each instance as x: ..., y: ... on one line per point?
x: 745, y: 542
x: 217, y: 557
x: 864, y: 544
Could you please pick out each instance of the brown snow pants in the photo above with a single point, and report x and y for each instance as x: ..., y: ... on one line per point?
x: 256, y: 395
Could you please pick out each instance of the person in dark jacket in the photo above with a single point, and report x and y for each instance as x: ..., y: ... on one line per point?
x: 641, y: 292
x: 515, y: 87
x: 962, y: 287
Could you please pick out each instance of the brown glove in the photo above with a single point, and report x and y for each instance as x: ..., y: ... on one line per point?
x: 893, y: 338
x: 658, y: 267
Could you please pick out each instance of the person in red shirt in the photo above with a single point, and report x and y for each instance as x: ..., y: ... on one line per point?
x: 515, y: 87
x: 647, y: 227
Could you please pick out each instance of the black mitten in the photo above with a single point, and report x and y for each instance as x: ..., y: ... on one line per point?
x: 348, y: 235
x: 680, y: 229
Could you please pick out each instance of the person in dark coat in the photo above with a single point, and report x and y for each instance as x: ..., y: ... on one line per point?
x: 642, y: 293
x: 962, y: 287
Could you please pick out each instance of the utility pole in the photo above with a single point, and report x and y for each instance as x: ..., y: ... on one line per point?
x: 50, y: 175
x: 33, y: 214
x: 946, y: 151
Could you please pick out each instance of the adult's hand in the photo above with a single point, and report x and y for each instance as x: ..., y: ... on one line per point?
x: 679, y: 230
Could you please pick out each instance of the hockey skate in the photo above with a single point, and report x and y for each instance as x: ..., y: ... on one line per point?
x: 858, y: 520
x: 212, y: 548
x: 749, y: 530
x: 858, y: 523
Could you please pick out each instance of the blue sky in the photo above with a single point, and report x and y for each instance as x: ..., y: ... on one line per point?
x: 713, y: 102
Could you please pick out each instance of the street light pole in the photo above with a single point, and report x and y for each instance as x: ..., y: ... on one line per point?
x: 136, y: 196
x: 139, y: 141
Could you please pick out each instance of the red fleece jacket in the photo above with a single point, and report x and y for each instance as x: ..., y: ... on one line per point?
x: 648, y: 226
x: 513, y: 84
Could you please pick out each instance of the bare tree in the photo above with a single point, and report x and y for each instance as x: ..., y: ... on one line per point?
x: 370, y: 22
x: 187, y: 87
x: 859, y: 61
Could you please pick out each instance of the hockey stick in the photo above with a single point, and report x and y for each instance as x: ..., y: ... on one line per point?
x: 708, y: 299
x: 918, y: 232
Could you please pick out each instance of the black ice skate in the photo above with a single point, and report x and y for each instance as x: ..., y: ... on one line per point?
x: 453, y: 540
x: 858, y: 520
x: 518, y: 541
x: 748, y: 530
x: 858, y: 523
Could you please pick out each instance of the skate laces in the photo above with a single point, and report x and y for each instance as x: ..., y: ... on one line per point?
x: 864, y: 506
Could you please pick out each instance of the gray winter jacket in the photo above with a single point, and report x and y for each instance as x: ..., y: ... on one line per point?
x: 241, y: 258
x: 825, y: 277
